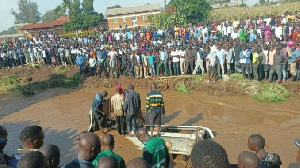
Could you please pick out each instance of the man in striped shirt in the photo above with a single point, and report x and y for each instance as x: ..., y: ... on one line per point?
x: 154, y: 108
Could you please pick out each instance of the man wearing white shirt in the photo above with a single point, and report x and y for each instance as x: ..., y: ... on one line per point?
x: 229, y: 30
x: 117, y: 36
x: 212, y: 70
x: 221, y: 54
x: 175, y: 61
x: 73, y: 53
x: 182, y: 60
x: 199, y: 62
x: 92, y: 65
x: 278, y: 31
x: 112, y: 56
x: 235, y: 34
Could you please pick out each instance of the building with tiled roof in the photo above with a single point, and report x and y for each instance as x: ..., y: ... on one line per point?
x: 55, y: 26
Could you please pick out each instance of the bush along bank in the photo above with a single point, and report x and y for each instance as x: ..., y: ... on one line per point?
x: 234, y: 84
x: 13, y: 83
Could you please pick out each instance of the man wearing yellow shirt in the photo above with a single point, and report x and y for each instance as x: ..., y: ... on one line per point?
x: 176, y: 31
x: 256, y: 63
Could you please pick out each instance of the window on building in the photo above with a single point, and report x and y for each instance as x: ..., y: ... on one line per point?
x: 144, y: 17
x: 115, y: 20
x: 124, y: 19
x: 134, y: 20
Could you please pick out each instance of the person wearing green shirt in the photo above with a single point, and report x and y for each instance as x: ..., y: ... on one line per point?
x: 155, y: 151
x: 108, y: 143
x: 243, y: 35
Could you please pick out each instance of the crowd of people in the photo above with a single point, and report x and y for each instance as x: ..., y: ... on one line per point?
x: 258, y: 48
x: 93, y: 153
x: 262, y: 48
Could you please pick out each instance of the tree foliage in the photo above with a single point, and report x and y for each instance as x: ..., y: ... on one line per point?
x: 81, y: 18
x: 10, y: 30
x: 115, y: 6
x: 218, y: 1
x: 182, y: 12
x: 91, y: 18
x: 51, y: 15
x: 27, y: 12
x: 75, y: 15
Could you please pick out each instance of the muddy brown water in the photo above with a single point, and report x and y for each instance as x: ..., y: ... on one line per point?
x: 63, y: 114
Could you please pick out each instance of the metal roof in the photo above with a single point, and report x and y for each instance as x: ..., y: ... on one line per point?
x: 57, y: 22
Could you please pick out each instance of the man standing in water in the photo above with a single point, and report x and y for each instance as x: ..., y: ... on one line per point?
x: 96, y: 113
x: 154, y: 104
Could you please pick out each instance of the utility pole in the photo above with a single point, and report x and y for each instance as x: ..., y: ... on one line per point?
x: 165, y: 4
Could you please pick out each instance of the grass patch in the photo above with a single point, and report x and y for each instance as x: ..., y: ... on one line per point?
x: 33, y: 65
x: 181, y: 87
x: 197, y: 78
x: 61, y: 70
x: 9, y: 82
x: 107, y: 83
x: 236, y: 76
x: 56, y: 80
x: 271, y: 93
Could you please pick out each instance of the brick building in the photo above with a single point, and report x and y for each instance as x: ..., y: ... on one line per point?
x: 131, y: 16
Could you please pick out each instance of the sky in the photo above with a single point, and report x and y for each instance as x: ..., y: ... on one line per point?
x: 7, y: 20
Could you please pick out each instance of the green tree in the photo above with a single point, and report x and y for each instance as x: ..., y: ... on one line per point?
x: 51, y: 15
x: 191, y: 11
x: 75, y: 15
x: 115, y: 6
x: 182, y: 12
x: 81, y: 18
x: 27, y: 12
x: 91, y: 18
x: 10, y: 30
x: 262, y: 1
x: 66, y: 4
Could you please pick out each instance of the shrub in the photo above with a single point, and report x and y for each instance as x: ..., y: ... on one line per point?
x: 61, y: 70
x: 271, y: 93
x: 107, y: 83
x: 56, y: 81
x: 197, y: 78
x: 9, y: 82
x: 181, y: 87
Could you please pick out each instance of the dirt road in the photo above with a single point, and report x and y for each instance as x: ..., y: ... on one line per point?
x: 63, y: 115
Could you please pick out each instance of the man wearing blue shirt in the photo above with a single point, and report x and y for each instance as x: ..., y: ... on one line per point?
x: 294, y: 62
x: 245, y: 61
x: 80, y: 62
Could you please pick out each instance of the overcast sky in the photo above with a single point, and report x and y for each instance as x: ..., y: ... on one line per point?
x: 7, y: 20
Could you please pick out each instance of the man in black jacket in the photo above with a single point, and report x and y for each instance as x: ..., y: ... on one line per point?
x: 132, y: 106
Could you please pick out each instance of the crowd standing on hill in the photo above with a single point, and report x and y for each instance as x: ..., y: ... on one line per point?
x: 258, y: 48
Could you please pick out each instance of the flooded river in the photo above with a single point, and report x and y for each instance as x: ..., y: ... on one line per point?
x: 63, y: 115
